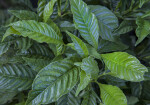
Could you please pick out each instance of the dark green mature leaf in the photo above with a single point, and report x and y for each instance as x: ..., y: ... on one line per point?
x: 112, y: 95
x: 125, y: 26
x: 4, y: 47
x: 106, y: 46
x: 38, y: 49
x: 136, y: 88
x: 142, y: 30
x: 124, y: 66
x: 40, y: 8
x: 24, y: 14
x: 37, y: 62
x: 90, y: 66
x: 69, y: 99
x: 84, y: 81
x: 142, y: 2
x: 53, y: 81
x: 146, y: 91
x: 48, y: 10
x: 85, y: 22
x: 6, y: 96
x: 79, y: 45
x: 89, y: 98
x: 107, y: 21
x: 15, y: 77
x: 41, y: 32
x: 66, y: 26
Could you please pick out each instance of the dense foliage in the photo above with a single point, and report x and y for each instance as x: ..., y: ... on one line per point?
x: 75, y: 52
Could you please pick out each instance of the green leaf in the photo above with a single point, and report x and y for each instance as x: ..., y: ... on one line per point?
x: 6, y: 96
x: 38, y: 49
x: 89, y: 98
x: 84, y: 81
x: 79, y: 46
x: 124, y: 66
x: 142, y: 30
x: 24, y: 14
x: 112, y: 95
x: 53, y: 81
x: 106, y: 46
x: 40, y: 8
x: 90, y: 66
x: 41, y: 32
x: 125, y: 26
x: 16, y: 77
x: 37, y: 62
x: 85, y: 22
x: 146, y: 91
x: 69, y: 99
x: 66, y: 26
x: 142, y: 2
x: 48, y: 10
x: 107, y: 21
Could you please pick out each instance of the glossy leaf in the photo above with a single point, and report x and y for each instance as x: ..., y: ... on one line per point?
x: 142, y: 30
x: 107, y: 21
x: 112, y: 95
x: 90, y: 66
x: 79, y: 45
x: 48, y: 10
x: 24, y: 14
x: 85, y: 22
x: 53, y: 81
x: 69, y: 99
x: 124, y: 66
x: 84, y: 81
x: 40, y: 8
x: 16, y: 77
x: 41, y: 32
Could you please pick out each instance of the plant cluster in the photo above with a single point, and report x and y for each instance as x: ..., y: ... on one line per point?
x: 75, y: 52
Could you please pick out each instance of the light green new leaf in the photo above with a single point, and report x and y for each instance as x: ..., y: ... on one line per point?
x: 24, y: 14
x: 37, y: 62
x: 16, y: 77
x: 124, y: 66
x: 84, y: 81
x: 79, y: 46
x: 112, y: 95
x: 107, y: 21
x: 48, y: 10
x: 69, y: 99
x: 40, y: 8
x: 90, y: 66
x: 41, y: 32
x: 85, y: 22
x: 53, y: 81
x: 142, y: 30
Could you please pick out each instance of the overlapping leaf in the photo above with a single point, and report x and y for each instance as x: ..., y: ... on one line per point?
x: 90, y: 66
x: 24, y: 14
x: 41, y: 32
x: 85, y: 22
x: 124, y: 66
x: 89, y: 98
x: 79, y: 46
x: 37, y: 62
x: 16, y: 77
x: 53, y: 81
x: 40, y: 8
x: 142, y: 30
x: 112, y: 95
x: 48, y: 10
x: 107, y: 21
x: 69, y: 99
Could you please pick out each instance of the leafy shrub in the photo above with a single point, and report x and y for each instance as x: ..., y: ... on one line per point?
x: 75, y: 52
